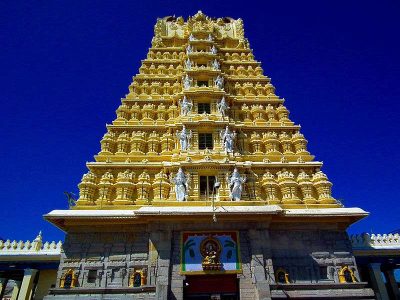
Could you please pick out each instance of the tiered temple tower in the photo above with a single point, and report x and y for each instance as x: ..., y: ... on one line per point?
x: 204, y: 186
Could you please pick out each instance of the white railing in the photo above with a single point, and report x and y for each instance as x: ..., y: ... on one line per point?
x: 36, y: 247
x: 378, y: 241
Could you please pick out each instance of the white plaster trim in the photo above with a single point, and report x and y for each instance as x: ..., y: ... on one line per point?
x: 322, y: 212
x: 200, y: 210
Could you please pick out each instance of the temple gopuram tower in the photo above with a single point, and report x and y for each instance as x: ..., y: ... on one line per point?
x: 204, y: 188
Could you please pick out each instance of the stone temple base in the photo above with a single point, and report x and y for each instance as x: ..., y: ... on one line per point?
x: 103, y: 259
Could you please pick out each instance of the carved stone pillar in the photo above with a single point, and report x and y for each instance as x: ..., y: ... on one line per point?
x: 3, y: 284
x: 25, y: 292
x: 377, y: 282
x: 392, y: 283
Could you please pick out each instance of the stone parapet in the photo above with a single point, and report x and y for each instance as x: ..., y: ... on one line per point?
x: 31, y: 248
x: 376, y: 241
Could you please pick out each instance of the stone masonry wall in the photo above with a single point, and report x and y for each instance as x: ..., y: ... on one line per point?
x: 308, y: 255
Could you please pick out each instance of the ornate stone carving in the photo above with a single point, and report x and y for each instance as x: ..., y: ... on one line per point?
x: 181, y: 182
x: 236, y: 185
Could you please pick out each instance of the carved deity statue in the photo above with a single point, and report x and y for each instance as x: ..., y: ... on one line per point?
x: 191, y: 38
x: 222, y: 107
x: 227, y: 139
x: 215, y: 64
x: 188, y: 64
x: 213, y: 50
x: 210, y: 38
x: 219, y: 82
x: 236, y: 185
x: 189, y: 49
x: 184, y: 138
x: 187, y: 82
x: 186, y: 106
x: 181, y: 183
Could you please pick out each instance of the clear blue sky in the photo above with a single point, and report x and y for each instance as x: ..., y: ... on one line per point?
x: 66, y: 64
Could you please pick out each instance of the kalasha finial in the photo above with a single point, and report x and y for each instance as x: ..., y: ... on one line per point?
x: 39, y: 237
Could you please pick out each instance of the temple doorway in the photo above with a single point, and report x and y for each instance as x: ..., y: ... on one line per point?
x: 211, y: 287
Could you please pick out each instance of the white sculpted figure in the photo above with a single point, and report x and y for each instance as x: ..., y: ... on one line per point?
x: 210, y: 38
x: 184, y: 138
x: 181, y: 185
x: 236, y: 185
x: 219, y: 82
x: 189, y: 49
x: 227, y: 138
x: 191, y: 38
x: 213, y: 50
x: 215, y: 64
x: 222, y: 107
x: 188, y: 64
x: 187, y: 82
x: 186, y: 106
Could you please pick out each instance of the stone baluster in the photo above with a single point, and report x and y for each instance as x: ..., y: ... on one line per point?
x: 106, y: 190
x: 124, y: 187
x: 87, y: 189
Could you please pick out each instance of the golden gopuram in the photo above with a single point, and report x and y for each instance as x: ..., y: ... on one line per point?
x: 204, y: 188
